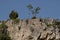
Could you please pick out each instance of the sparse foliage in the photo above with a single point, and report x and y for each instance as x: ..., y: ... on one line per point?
x: 16, y: 20
x: 56, y: 22
x: 49, y: 25
x: 3, y: 32
x: 30, y: 6
x: 34, y: 11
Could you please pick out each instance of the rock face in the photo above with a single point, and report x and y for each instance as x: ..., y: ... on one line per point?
x: 32, y: 29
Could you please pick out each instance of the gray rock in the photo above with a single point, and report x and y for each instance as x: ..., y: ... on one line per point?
x: 34, y: 30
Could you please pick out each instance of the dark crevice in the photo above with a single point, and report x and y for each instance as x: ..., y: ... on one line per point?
x: 38, y: 37
x: 26, y: 21
x: 19, y: 27
x: 30, y: 37
x: 32, y: 29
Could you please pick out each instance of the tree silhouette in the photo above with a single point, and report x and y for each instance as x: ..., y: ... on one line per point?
x: 34, y: 11
x: 13, y: 15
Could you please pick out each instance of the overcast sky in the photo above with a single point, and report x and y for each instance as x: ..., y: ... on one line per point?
x: 49, y: 8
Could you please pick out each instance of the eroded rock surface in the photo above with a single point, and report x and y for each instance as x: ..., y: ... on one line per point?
x: 32, y: 29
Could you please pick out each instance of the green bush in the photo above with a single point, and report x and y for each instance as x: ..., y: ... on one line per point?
x: 13, y: 15
x: 49, y: 25
x: 1, y: 26
x: 4, y: 37
x: 3, y: 32
x: 16, y: 20
x: 33, y: 17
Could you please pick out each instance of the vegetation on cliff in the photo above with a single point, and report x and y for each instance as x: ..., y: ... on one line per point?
x: 14, y: 16
x: 3, y: 32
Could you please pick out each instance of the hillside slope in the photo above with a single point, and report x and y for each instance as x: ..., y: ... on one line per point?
x: 33, y: 29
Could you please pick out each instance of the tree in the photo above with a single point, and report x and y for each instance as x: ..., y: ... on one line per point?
x: 34, y: 11
x: 13, y: 15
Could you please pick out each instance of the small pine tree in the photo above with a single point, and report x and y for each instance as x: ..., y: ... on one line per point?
x: 13, y: 15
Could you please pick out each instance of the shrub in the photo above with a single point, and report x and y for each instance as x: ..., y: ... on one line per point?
x: 1, y: 26
x: 4, y: 37
x: 49, y: 25
x: 16, y: 20
x: 33, y: 17
x: 41, y: 20
x: 13, y: 15
x: 3, y: 33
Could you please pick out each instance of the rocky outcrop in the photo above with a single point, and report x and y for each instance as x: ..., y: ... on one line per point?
x: 33, y: 29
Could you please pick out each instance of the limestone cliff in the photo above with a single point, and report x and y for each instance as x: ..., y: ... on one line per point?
x: 33, y: 29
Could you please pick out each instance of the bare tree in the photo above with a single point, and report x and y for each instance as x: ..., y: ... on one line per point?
x: 34, y: 11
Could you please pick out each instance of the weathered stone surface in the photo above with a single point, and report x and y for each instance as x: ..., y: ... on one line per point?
x: 34, y: 30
